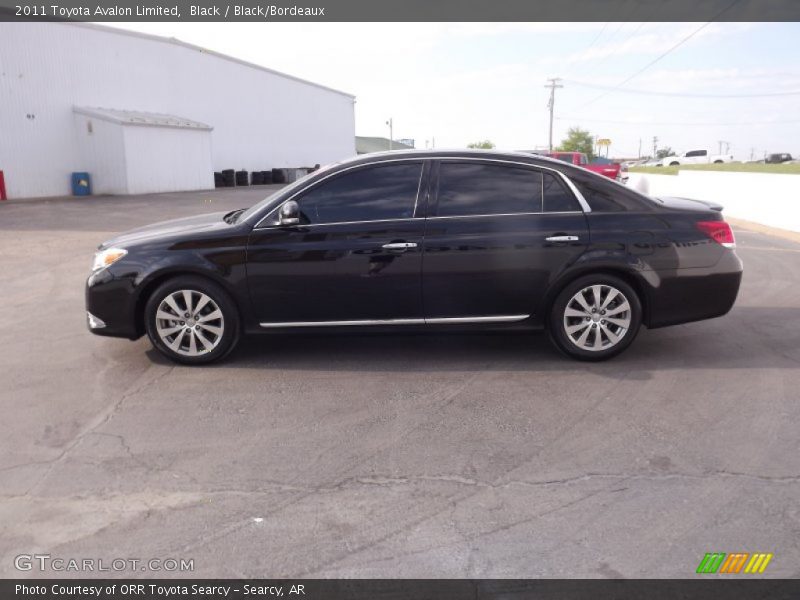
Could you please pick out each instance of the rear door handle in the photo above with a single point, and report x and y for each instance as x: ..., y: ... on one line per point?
x: 399, y: 246
x: 562, y: 238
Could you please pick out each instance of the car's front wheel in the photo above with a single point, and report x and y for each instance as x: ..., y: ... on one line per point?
x: 191, y: 320
x: 595, y: 317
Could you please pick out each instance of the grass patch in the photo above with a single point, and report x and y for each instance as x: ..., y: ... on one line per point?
x: 655, y: 170
x: 786, y: 169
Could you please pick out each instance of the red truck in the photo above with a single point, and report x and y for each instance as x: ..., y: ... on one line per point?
x: 609, y: 169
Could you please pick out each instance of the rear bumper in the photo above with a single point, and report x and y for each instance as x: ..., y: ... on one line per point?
x: 686, y: 295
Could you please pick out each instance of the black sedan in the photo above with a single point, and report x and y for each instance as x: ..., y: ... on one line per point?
x: 427, y: 240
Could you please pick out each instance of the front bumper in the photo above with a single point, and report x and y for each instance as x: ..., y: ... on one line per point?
x: 111, y: 304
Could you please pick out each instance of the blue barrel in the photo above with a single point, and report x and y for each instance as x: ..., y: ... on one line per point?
x: 81, y: 184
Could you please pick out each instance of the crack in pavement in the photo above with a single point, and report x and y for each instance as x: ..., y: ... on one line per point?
x: 98, y: 421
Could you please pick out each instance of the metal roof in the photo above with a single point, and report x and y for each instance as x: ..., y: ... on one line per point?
x: 137, y: 117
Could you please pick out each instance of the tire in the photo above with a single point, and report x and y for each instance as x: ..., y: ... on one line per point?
x: 185, y: 340
x: 674, y: 164
x: 718, y: 162
x: 568, y: 311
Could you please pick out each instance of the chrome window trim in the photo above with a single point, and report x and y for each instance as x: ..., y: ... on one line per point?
x: 581, y: 200
x: 421, y: 162
x: 310, y: 225
x: 435, y: 321
x: 523, y: 214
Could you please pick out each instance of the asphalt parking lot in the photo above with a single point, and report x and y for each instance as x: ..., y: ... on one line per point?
x: 389, y: 456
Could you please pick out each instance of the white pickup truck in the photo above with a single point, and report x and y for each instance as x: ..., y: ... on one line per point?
x: 696, y: 157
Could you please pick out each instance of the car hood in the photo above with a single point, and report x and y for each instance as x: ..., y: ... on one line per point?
x: 169, y: 229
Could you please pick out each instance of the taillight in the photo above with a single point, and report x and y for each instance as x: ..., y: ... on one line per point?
x: 719, y: 231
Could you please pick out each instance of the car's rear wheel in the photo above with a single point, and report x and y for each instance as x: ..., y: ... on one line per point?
x: 595, y: 317
x: 191, y: 320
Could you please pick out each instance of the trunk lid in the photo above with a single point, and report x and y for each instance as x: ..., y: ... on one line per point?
x: 687, y: 204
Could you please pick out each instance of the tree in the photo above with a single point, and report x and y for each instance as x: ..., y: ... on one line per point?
x: 578, y: 140
x: 483, y: 145
x: 664, y: 152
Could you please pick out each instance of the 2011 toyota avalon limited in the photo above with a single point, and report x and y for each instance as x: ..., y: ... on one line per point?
x: 428, y: 240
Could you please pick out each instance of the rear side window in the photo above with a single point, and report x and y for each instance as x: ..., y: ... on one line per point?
x: 468, y: 189
x: 557, y: 198
x: 370, y: 194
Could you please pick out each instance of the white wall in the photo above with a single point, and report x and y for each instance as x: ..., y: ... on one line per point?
x: 261, y: 119
x: 163, y: 159
x: 768, y: 199
x: 101, y: 151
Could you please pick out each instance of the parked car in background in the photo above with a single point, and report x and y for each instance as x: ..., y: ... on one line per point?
x: 423, y: 239
x: 696, y: 157
x: 610, y: 169
x: 775, y: 159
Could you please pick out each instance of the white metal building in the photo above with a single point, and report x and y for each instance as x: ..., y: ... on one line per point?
x: 143, y: 114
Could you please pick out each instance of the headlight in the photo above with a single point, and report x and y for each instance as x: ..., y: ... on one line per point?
x: 107, y: 257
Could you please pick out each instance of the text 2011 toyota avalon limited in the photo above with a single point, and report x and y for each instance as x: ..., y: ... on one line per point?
x: 426, y: 240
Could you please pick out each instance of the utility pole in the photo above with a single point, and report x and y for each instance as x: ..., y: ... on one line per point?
x: 391, y: 133
x: 727, y: 146
x: 752, y: 154
x: 655, y: 146
x: 640, y: 148
x: 551, y: 104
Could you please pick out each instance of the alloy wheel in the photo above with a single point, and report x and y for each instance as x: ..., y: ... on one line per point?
x: 189, y: 322
x: 597, y: 317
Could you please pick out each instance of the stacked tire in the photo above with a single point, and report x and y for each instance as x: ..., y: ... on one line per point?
x: 228, y: 178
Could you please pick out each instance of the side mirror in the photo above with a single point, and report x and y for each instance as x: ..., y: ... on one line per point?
x: 290, y: 213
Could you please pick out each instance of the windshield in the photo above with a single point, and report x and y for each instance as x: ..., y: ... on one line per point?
x: 273, y: 197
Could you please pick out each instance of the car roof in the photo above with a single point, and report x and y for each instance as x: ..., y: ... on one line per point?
x: 526, y: 157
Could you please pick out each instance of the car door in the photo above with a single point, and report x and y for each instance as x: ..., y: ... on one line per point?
x: 354, y: 258
x: 497, y: 234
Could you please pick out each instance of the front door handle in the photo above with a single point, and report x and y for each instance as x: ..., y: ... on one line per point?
x: 399, y: 246
x: 562, y: 238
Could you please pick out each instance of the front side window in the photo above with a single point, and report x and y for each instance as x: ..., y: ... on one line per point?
x: 696, y: 153
x: 381, y: 192
x: 468, y: 189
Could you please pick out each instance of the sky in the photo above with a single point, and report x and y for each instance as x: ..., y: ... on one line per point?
x: 457, y: 83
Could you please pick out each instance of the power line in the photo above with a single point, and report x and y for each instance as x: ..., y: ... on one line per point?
x: 661, y: 56
x: 695, y: 124
x: 589, y: 47
x: 680, y: 95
